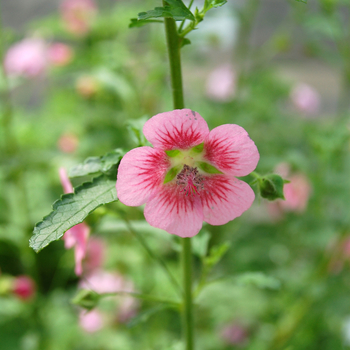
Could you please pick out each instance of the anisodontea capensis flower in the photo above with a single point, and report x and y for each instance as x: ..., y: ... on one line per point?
x: 189, y: 175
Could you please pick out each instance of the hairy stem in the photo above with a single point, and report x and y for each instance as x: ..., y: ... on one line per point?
x: 173, y: 44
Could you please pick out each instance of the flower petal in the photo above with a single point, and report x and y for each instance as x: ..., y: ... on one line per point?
x: 140, y: 173
x: 230, y: 149
x: 173, y: 211
x: 66, y: 184
x: 225, y: 198
x: 178, y: 129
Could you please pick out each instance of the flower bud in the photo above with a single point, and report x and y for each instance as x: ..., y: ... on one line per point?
x: 271, y: 187
x: 23, y: 287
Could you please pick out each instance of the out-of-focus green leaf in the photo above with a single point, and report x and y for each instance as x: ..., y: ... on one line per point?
x: 200, y: 244
x: 258, y: 279
x: 72, y: 208
x: 94, y: 165
x: 145, y: 315
x: 216, y: 3
x: 215, y: 254
x: 135, y: 127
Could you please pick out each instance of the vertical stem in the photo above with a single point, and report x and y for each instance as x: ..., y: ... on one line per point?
x: 187, y: 317
x: 173, y: 44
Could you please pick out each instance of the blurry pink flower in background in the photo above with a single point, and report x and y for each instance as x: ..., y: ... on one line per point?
x: 78, y: 235
x: 27, y: 58
x: 59, y: 54
x: 23, y: 287
x: 306, y: 99
x: 235, y: 334
x: 221, y: 84
x: 95, y: 254
x: 296, y: 193
x: 78, y: 15
x: 188, y: 176
x: 107, y: 282
x: 91, y: 321
x: 68, y: 143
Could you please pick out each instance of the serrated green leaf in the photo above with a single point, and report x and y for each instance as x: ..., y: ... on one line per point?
x: 139, y: 23
x: 72, y: 208
x: 258, y: 279
x: 94, y: 165
x: 176, y: 9
x: 208, y: 168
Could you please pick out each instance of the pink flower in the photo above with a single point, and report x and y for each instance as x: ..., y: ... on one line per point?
x: 95, y: 253
x: 23, y: 287
x: 27, y: 58
x: 306, y: 99
x: 78, y: 15
x: 106, y: 282
x: 91, y: 321
x: 68, y: 143
x: 59, y: 54
x: 188, y: 177
x: 234, y: 334
x: 78, y: 235
x: 221, y: 84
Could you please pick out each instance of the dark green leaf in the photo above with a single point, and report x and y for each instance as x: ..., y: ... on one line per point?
x: 208, y: 168
x: 139, y: 23
x: 175, y: 9
x: 94, y: 165
x: 72, y: 209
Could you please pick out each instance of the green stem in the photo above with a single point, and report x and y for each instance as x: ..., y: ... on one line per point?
x: 154, y: 256
x: 187, y: 317
x: 173, y: 44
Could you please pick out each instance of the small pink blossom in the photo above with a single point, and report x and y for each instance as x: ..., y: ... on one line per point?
x: 78, y: 15
x: 59, y: 54
x: 189, y: 175
x: 68, y: 143
x: 296, y: 193
x: 95, y: 254
x: 235, y: 334
x: 23, y: 287
x: 306, y: 99
x: 221, y: 84
x: 106, y: 282
x: 27, y: 58
x: 91, y: 321
x: 78, y: 235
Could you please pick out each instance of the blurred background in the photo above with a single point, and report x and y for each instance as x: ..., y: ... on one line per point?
x: 78, y: 82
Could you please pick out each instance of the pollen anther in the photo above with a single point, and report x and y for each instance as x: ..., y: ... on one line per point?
x: 189, y: 180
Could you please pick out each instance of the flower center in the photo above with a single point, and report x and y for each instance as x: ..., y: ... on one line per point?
x: 189, y: 180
